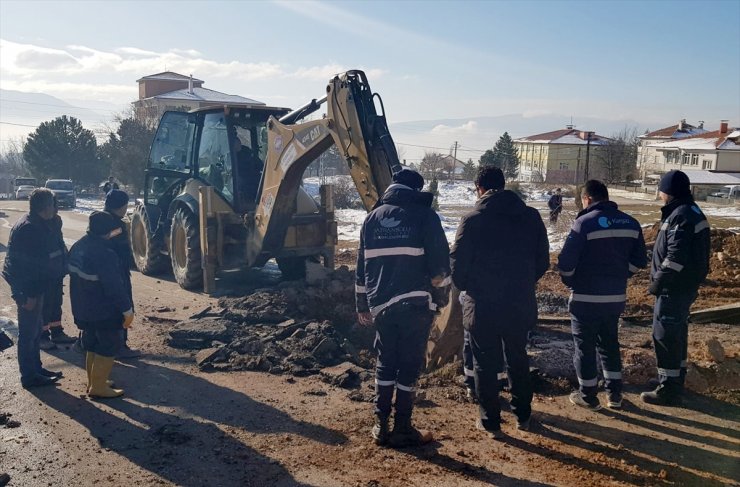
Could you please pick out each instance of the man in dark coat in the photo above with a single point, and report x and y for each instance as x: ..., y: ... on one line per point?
x: 116, y: 205
x: 500, y: 251
x: 53, y: 331
x: 604, y: 248
x: 101, y: 304
x: 402, y: 278
x: 680, y: 264
x: 109, y: 185
x: 26, y: 270
x: 555, y: 203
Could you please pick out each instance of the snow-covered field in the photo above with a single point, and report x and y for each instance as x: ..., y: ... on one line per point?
x: 88, y: 205
x: 732, y: 212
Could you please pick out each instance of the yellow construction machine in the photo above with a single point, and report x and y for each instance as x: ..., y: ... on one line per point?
x: 223, y: 185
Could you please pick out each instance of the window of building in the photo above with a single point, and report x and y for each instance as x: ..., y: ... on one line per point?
x: 686, y: 159
x: 706, y: 164
x: 564, y: 165
x: 694, y: 159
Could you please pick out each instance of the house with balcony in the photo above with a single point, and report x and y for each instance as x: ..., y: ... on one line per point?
x: 561, y: 156
x: 649, y: 163
x: 169, y: 91
x: 716, y: 151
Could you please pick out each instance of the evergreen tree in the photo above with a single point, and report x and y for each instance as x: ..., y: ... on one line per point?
x: 470, y: 170
x: 63, y: 148
x: 434, y: 189
x: 127, y: 150
x: 504, y: 156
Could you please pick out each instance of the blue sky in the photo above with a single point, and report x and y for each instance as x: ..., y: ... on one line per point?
x: 650, y: 62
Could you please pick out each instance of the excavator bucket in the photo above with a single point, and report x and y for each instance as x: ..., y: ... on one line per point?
x: 446, y: 338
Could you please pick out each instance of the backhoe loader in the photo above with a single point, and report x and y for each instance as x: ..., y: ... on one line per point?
x: 223, y: 185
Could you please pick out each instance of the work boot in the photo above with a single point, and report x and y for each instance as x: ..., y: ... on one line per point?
x: 89, y: 360
x: 101, y: 369
x: 471, y: 395
x: 380, y: 430
x: 662, y: 396
x: 49, y: 373
x: 404, y: 434
x: 77, y: 346
x: 59, y: 337
x: 614, y: 400
x: 496, y: 434
x: 45, y: 342
x: 4, y: 479
x: 592, y: 404
x: 38, y: 380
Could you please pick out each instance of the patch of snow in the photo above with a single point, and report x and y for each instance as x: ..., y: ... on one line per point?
x: 732, y: 212
x: 86, y: 206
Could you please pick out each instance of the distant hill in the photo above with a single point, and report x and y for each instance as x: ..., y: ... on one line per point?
x: 22, y: 112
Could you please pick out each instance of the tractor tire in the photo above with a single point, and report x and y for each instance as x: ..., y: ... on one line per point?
x: 292, y: 268
x: 146, y: 250
x: 185, y: 252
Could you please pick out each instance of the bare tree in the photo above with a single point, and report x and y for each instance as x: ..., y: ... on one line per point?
x: 619, y: 156
x: 431, y: 164
x: 11, y: 159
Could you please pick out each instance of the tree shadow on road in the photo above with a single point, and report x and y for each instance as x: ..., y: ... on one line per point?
x: 648, y: 453
x: 429, y: 453
x: 181, y: 450
x: 185, y: 428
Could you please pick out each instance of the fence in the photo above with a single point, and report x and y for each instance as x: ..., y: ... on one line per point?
x: 635, y: 188
x: 723, y: 201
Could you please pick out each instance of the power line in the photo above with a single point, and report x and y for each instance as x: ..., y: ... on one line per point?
x: 60, y: 106
x: 438, y: 148
x: 19, y: 124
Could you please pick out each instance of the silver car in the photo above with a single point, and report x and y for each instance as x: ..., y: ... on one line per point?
x: 64, y: 190
x: 23, y: 192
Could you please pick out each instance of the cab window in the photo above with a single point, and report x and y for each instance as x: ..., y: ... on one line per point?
x: 172, y: 144
x: 214, y: 155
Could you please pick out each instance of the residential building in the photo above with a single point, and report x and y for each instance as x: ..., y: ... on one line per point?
x: 648, y: 159
x: 451, y: 165
x: 161, y: 92
x: 717, y: 151
x: 561, y: 156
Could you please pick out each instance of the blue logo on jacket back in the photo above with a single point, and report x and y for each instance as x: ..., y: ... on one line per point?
x: 604, y: 222
x: 696, y: 210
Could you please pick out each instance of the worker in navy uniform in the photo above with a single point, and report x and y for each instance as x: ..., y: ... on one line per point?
x: 116, y: 205
x: 402, y: 278
x: 555, y: 203
x: 680, y: 264
x: 500, y: 251
x: 53, y: 331
x: 26, y: 270
x: 101, y: 304
x: 604, y: 248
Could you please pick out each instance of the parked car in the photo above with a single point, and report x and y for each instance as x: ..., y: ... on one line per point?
x: 24, y: 191
x: 64, y: 190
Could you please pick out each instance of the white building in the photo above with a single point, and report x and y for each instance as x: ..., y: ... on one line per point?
x: 648, y: 158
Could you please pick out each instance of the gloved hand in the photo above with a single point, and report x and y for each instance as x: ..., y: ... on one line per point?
x: 365, y: 318
x: 128, y: 319
x: 655, y: 288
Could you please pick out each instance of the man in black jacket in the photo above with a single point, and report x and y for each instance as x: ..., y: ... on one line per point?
x: 680, y: 264
x: 402, y: 277
x: 604, y: 248
x: 116, y: 205
x: 101, y: 304
x: 27, y: 271
x: 555, y: 203
x: 500, y: 251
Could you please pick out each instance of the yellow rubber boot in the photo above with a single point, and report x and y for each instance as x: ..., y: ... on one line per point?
x: 102, y: 367
x: 89, y: 359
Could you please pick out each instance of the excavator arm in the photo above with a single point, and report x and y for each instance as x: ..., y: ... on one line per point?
x: 353, y: 125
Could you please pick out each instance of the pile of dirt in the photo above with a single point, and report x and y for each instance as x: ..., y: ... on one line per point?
x: 295, y: 328
x: 722, y: 285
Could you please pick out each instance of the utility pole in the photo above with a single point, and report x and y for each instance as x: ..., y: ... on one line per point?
x: 588, y: 154
x: 454, y: 161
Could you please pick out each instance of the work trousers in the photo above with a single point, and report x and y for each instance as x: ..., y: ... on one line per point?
x: 30, y: 324
x: 102, y: 341
x: 595, y: 328
x: 53, y: 299
x: 469, y: 368
x: 491, y: 340
x: 402, y: 331
x: 670, y: 337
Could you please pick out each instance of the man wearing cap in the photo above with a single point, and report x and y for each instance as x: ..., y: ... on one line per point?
x: 402, y: 278
x: 101, y: 304
x: 604, y: 248
x: 26, y: 269
x: 500, y: 251
x: 680, y: 264
x: 116, y: 205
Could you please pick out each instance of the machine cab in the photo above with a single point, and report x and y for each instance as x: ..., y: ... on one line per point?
x: 221, y: 147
